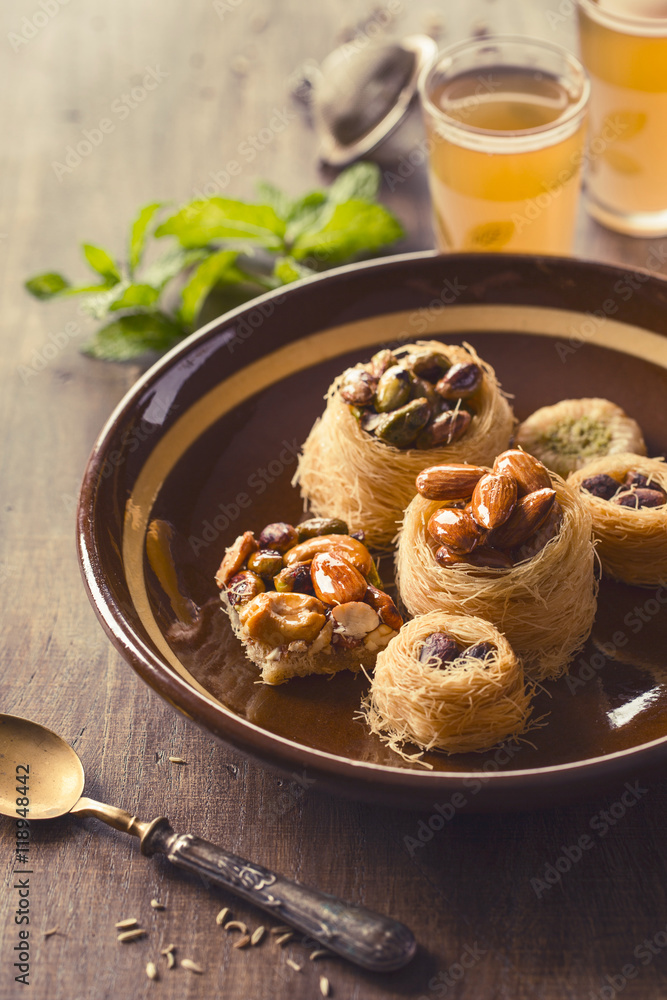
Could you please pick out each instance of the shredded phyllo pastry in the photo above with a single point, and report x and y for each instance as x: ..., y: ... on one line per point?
x: 626, y: 495
x: 542, y: 596
x: 386, y: 420
x: 447, y: 682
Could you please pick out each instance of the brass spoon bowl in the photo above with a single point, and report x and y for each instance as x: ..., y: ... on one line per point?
x: 37, y: 759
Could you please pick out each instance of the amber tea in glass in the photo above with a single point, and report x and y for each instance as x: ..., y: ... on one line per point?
x: 505, y: 122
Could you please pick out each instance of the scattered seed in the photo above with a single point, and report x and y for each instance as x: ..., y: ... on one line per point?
x: 242, y: 941
x: 151, y: 971
x: 171, y: 961
x: 324, y: 986
x: 131, y: 935
x: 236, y: 925
x: 126, y: 924
x: 157, y: 905
x: 280, y: 930
x: 187, y: 963
x: 222, y: 916
x: 257, y: 935
x: 284, y: 938
x: 293, y: 965
x: 259, y: 21
x: 320, y: 953
x: 51, y: 930
x: 177, y: 760
x: 240, y: 66
x: 168, y: 949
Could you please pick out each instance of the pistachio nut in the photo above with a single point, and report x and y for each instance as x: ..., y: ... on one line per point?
x: 401, y: 427
x: 429, y: 365
x: 278, y: 536
x: 266, y: 563
x: 243, y: 587
x: 294, y: 579
x: 447, y: 428
x: 357, y: 386
x: 439, y: 649
x: 461, y: 381
x: 380, y: 362
x: 393, y: 389
x: 320, y: 526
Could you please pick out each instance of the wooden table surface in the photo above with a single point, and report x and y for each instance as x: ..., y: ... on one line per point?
x: 223, y: 70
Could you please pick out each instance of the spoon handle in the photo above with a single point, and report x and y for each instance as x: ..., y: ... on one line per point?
x: 369, y: 939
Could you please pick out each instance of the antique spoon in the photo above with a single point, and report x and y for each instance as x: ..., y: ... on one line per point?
x: 37, y: 765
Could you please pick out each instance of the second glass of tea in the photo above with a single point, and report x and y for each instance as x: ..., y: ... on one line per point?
x: 506, y: 130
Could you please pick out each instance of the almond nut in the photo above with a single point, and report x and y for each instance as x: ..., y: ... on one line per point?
x: 483, y: 556
x: 455, y: 528
x: 546, y: 531
x: 354, y: 551
x: 336, y: 581
x: 277, y: 618
x: 528, y: 515
x: 235, y: 557
x: 356, y: 619
x: 493, y: 499
x: 529, y: 472
x: 449, y: 482
x: 385, y: 607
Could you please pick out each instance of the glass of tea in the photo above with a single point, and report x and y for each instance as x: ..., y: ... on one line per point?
x: 624, y: 48
x: 506, y: 128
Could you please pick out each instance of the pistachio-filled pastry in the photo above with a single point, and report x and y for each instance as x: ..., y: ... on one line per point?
x: 388, y: 419
x: 573, y: 432
x: 306, y: 599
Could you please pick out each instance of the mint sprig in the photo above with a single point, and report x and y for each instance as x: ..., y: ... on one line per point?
x: 242, y: 248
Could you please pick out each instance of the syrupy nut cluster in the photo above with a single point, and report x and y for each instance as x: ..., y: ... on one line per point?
x: 636, y: 491
x: 493, y: 519
x: 441, y: 650
x: 420, y: 400
x: 313, y: 587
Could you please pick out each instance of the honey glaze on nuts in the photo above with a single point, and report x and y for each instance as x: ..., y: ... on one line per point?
x: 418, y: 400
x: 308, y: 588
x: 493, y: 519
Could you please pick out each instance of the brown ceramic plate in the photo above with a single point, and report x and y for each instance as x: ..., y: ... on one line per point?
x: 205, y: 444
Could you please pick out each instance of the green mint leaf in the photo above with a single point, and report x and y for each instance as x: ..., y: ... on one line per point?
x: 138, y: 234
x: 275, y: 198
x: 361, y: 180
x: 219, y: 268
x: 170, y: 264
x: 101, y: 262
x: 46, y: 286
x: 99, y: 305
x: 136, y: 296
x: 307, y: 213
x: 353, y: 228
x: 201, y: 222
x: 131, y: 336
x: 287, y: 269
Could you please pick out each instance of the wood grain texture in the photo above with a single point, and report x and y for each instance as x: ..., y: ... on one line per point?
x: 465, y: 889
